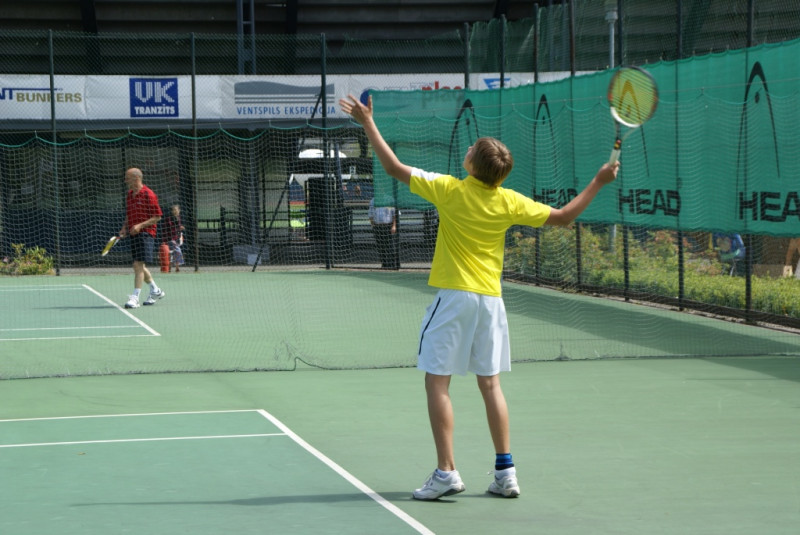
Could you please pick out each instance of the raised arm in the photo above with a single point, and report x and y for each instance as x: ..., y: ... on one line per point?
x: 564, y: 216
x: 363, y: 116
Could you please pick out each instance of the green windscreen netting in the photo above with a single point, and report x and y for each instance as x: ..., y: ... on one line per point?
x: 284, y: 270
x: 721, y: 153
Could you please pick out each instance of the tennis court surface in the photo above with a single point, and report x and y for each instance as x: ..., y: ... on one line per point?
x: 134, y: 430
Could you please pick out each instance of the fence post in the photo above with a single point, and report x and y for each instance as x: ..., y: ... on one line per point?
x: 466, y: 55
x: 56, y: 186
x: 327, y: 188
x: 679, y: 54
x: 612, y: 16
x: 571, y: 16
x: 502, y: 51
x: 223, y: 230
x: 578, y: 257
x: 536, y: 42
x: 195, y: 163
x: 626, y: 264
x: 748, y: 282
x: 621, y: 33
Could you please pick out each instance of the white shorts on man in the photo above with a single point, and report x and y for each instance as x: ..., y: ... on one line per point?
x: 464, y: 332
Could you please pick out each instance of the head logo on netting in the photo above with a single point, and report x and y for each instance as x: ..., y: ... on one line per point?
x: 456, y: 152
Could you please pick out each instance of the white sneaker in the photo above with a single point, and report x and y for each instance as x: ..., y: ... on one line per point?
x: 505, y: 483
x: 133, y: 302
x: 155, y: 296
x: 436, y: 487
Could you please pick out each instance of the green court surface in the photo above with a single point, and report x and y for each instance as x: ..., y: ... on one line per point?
x: 222, y: 321
x: 288, y: 402
x: 623, y: 446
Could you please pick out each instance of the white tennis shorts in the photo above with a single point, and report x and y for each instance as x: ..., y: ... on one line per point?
x: 464, y: 331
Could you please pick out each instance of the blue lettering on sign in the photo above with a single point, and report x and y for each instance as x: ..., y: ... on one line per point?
x: 154, y: 97
x: 494, y: 83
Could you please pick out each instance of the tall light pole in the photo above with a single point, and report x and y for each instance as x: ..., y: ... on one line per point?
x: 611, y: 19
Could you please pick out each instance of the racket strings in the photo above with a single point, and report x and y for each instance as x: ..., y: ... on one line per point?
x: 633, y: 96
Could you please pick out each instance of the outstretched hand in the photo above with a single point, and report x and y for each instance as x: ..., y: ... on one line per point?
x: 363, y: 115
x: 607, y: 173
x: 352, y: 106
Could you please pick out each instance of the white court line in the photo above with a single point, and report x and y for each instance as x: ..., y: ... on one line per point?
x: 70, y: 328
x: 55, y: 287
x: 81, y: 337
x: 112, y: 303
x: 125, y: 440
x: 383, y: 502
x: 134, y: 414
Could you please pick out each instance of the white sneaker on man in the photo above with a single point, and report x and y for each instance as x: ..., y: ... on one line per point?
x: 437, y: 486
x: 155, y: 296
x: 505, y: 483
x: 133, y: 302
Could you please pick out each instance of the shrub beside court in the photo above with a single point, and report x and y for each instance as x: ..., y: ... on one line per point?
x: 27, y: 261
x: 653, y: 268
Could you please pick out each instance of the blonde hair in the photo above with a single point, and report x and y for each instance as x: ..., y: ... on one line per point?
x: 491, y: 161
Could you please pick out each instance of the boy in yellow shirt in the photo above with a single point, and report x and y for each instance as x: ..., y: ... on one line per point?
x: 465, y: 328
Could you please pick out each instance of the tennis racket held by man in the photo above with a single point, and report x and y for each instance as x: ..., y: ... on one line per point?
x: 110, y: 244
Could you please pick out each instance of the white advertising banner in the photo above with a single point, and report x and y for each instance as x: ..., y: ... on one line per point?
x: 218, y: 98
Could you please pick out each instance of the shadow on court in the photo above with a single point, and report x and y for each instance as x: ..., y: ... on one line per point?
x: 607, y: 322
x: 677, y: 334
x: 785, y: 369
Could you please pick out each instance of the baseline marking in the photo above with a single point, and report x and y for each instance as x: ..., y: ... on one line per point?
x: 56, y: 287
x: 73, y: 337
x: 134, y: 414
x: 126, y: 440
x: 69, y: 328
x: 383, y: 502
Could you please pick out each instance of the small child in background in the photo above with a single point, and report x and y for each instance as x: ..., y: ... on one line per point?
x: 175, y: 236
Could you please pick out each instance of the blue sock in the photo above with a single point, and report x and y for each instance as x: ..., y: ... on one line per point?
x: 503, y: 461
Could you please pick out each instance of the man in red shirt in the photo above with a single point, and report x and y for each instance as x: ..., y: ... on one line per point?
x: 142, y: 214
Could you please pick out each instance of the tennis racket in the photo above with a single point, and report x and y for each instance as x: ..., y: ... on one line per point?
x: 110, y: 244
x: 633, y: 98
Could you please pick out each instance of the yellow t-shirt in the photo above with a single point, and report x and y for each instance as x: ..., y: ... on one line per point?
x: 473, y: 220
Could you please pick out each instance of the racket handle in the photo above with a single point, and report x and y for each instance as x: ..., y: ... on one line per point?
x: 615, y: 152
